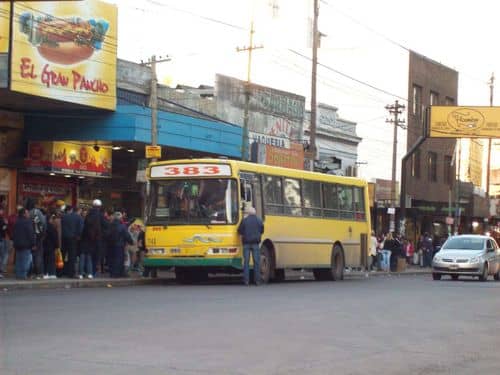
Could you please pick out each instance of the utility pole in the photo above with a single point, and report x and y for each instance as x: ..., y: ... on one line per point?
x: 488, y: 163
x: 312, y: 128
x: 250, y: 48
x: 457, y: 187
x: 394, y: 109
x: 153, y: 98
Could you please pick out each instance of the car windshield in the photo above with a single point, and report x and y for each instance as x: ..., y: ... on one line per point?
x: 464, y: 243
x: 194, y: 201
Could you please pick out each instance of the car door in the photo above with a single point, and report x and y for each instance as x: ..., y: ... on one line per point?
x: 492, y: 256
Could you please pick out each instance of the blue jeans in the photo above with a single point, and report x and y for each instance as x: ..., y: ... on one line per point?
x: 23, y: 263
x: 85, y: 264
x: 4, y: 255
x: 255, y: 250
x: 385, y: 262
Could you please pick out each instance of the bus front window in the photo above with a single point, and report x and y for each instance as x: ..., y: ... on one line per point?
x: 195, y: 201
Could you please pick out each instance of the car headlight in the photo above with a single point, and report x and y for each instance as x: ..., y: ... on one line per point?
x: 437, y: 258
x: 474, y: 260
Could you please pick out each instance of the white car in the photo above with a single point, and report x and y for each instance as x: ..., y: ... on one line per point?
x: 467, y: 255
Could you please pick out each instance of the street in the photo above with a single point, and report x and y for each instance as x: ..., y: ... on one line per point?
x: 362, y: 325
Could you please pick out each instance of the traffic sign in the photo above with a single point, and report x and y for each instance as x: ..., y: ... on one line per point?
x: 153, y: 152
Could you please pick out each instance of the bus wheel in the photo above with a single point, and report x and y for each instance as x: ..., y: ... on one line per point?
x: 265, y: 265
x: 337, y: 264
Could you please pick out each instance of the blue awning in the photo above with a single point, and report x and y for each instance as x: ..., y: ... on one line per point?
x: 132, y: 123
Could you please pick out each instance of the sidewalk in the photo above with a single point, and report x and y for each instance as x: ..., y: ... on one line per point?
x: 10, y: 283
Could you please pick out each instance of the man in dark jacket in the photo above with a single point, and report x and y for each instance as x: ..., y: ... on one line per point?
x: 24, y: 242
x: 251, y: 229
x: 71, y: 230
x: 118, y: 237
x: 94, y: 233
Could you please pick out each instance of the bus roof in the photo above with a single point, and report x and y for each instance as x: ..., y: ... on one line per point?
x: 238, y: 165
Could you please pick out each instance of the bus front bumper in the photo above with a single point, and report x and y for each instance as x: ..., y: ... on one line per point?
x: 193, y: 262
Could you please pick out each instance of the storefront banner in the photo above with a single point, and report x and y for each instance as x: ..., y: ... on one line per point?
x: 65, y: 50
x: 4, y: 26
x: 69, y: 158
x: 464, y: 122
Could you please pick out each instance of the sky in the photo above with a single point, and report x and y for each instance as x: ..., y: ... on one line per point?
x: 363, y: 56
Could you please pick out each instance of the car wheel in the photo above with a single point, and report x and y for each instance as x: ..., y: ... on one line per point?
x: 497, y: 275
x: 454, y: 277
x: 436, y: 276
x: 484, y: 275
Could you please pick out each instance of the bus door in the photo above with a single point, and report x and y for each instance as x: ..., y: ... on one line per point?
x: 251, y: 192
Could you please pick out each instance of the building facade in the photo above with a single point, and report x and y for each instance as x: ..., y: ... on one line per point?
x: 429, y: 178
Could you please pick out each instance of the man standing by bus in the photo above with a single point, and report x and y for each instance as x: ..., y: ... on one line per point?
x: 251, y: 229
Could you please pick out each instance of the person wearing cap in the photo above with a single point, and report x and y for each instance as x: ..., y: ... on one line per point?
x: 251, y: 229
x: 91, y: 244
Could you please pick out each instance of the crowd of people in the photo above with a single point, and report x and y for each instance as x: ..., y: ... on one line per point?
x: 66, y: 241
x: 386, y: 249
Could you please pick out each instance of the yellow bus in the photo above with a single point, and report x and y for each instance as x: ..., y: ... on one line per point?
x: 312, y: 221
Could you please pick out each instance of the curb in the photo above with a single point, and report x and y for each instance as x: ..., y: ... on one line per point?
x: 7, y: 285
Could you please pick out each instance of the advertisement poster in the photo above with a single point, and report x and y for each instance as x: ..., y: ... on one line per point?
x: 464, y: 122
x: 4, y: 26
x: 288, y: 158
x: 69, y: 158
x: 65, y: 50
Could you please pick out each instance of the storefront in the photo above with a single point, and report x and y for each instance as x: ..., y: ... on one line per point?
x: 100, y: 154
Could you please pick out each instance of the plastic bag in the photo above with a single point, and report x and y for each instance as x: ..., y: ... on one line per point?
x: 59, y: 259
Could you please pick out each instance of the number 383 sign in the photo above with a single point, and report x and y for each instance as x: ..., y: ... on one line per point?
x: 190, y: 170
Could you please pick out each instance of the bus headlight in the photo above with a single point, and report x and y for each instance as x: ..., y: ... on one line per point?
x: 222, y: 250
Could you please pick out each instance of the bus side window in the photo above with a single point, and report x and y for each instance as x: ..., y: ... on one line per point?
x: 246, y: 194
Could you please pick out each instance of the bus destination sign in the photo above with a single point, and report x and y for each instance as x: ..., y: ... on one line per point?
x: 190, y: 170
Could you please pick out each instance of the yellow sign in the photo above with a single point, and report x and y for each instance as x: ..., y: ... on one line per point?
x: 4, y: 26
x: 153, y: 152
x: 66, y: 50
x: 464, y: 122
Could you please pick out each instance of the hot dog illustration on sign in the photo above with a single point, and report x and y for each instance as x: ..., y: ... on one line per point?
x: 64, y: 41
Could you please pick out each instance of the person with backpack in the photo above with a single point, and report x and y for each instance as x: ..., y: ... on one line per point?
x: 39, y: 227
x: 118, y: 237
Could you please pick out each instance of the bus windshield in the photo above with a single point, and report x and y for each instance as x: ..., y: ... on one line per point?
x: 193, y: 201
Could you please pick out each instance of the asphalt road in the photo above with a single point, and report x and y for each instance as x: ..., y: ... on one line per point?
x: 376, y: 325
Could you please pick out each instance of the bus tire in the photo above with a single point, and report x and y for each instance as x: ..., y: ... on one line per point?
x: 337, y: 264
x: 265, y: 265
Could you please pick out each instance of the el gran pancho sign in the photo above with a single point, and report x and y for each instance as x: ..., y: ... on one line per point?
x: 65, y: 50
